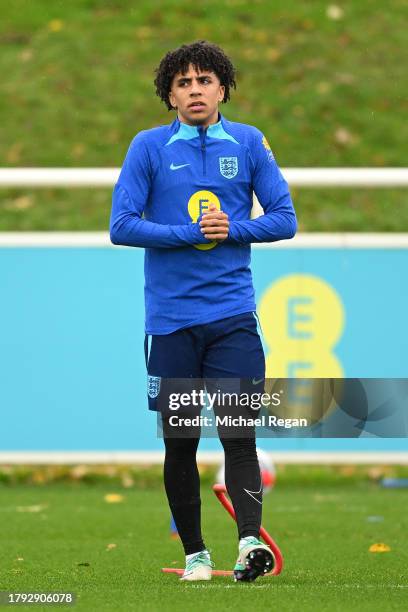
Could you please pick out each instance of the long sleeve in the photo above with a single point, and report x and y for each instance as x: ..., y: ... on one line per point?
x: 279, y: 219
x: 130, y: 195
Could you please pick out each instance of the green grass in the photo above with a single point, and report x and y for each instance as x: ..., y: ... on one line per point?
x: 321, y: 523
x: 318, y: 210
x: 77, y: 85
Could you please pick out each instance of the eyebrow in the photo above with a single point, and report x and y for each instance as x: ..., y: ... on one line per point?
x: 188, y: 79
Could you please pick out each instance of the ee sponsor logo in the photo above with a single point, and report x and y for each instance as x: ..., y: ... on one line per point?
x: 199, y: 203
x: 302, y: 318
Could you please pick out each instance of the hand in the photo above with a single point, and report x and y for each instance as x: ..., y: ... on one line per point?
x: 215, y: 224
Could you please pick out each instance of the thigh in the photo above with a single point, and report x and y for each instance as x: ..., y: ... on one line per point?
x: 234, y: 349
x: 173, y: 363
x: 176, y: 355
x: 234, y: 369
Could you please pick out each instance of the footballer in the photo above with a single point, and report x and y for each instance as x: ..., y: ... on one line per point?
x: 185, y: 195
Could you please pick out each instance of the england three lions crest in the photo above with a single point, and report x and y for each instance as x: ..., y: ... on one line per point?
x: 229, y: 166
x: 153, y: 386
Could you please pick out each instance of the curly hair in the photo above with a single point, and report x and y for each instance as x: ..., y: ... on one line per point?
x: 203, y: 55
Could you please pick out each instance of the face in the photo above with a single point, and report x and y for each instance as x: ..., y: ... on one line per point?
x: 196, y: 96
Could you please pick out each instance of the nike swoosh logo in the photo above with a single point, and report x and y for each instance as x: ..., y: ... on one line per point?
x: 253, y: 493
x: 173, y: 167
x: 256, y: 381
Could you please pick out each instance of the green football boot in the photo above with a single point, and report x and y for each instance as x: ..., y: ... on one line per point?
x: 198, y: 567
x: 254, y: 559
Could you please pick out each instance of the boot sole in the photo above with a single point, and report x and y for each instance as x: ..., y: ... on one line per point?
x: 258, y: 562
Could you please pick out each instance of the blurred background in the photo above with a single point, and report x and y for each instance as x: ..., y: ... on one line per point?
x: 324, y: 82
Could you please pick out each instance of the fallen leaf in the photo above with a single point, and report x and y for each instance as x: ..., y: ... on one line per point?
x: 20, y: 203
x: 79, y: 471
x: 26, y: 55
x: 379, y: 548
x: 127, y: 481
x: 111, y: 546
x: 55, y: 25
x: 347, y: 470
x: 307, y: 24
x: 261, y: 36
x: 38, y: 476
x: 144, y: 32
x: 273, y: 54
x: 343, y: 136
x: 113, y: 498
x: 376, y: 472
x: 344, y: 39
x: 345, y: 77
x: 113, y: 136
x: 78, y: 150
x: 378, y: 159
x: 13, y: 155
x: 334, y: 12
x: 323, y: 87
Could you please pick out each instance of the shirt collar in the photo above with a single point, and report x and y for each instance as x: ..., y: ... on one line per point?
x: 183, y: 131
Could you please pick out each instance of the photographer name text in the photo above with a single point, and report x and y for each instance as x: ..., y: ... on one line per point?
x: 239, y: 421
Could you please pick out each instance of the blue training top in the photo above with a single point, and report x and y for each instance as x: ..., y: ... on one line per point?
x: 170, y: 176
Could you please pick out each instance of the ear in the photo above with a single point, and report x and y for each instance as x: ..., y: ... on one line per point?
x: 172, y: 101
x: 222, y: 93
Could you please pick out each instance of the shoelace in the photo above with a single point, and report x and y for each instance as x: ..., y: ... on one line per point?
x: 252, y: 541
x: 198, y: 560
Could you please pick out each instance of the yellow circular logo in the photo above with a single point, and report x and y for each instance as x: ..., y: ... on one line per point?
x: 198, y: 204
x: 302, y: 318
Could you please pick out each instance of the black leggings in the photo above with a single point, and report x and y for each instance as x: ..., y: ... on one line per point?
x: 182, y: 484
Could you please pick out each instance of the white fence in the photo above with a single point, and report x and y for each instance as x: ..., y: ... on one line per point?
x: 296, y: 177
x: 208, y: 457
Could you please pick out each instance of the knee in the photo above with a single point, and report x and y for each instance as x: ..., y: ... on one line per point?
x: 180, y: 448
x: 238, y: 446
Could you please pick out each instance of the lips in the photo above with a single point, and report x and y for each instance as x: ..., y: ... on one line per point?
x: 196, y: 105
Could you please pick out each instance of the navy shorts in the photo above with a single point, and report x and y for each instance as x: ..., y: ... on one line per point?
x: 223, y: 350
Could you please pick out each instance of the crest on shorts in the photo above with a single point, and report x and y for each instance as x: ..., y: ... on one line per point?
x: 153, y: 386
x: 229, y: 166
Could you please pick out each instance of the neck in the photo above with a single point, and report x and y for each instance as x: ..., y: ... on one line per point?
x: 209, y: 121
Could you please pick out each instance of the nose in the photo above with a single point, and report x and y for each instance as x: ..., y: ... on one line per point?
x: 195, y: 88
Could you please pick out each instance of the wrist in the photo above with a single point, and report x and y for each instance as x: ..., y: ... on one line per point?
x: 197, y: 235
x: 231, y: 231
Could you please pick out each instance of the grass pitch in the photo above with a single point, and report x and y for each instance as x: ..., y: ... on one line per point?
x: 67, y: 537
x: 324, y: 81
